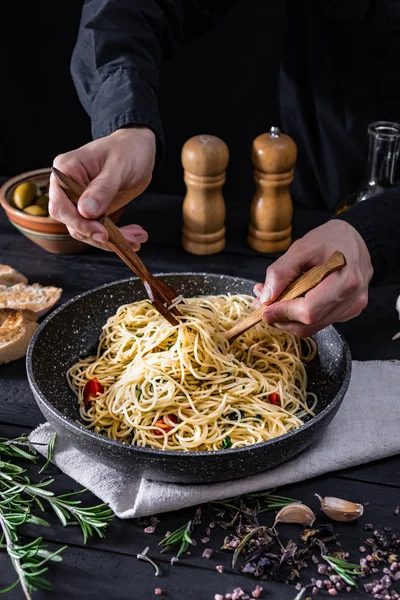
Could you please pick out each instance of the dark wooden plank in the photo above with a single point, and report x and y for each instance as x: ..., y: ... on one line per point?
x: 86, y: 574
x: 386, y: 472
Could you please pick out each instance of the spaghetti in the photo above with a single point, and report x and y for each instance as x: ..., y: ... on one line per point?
x: 185, y: 388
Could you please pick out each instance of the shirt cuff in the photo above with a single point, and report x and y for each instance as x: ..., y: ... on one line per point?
x: 126, y: 99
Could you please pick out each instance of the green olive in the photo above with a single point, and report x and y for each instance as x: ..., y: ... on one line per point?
x: 36, y: 210
x: 24, y: 194
x: 43, y: 202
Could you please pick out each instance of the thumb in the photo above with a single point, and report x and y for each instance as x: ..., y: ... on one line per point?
x: 98, y: 196
x: 282, y: 272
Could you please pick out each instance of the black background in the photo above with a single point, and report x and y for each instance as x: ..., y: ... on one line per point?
x: 210, y: 86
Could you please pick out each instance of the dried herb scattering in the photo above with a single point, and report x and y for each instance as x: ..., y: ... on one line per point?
x: 257, y: 550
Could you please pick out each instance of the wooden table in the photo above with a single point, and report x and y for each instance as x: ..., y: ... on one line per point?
x: 108, y: 569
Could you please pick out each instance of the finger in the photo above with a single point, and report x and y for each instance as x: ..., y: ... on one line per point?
x: 338, y: 315
x: 299, y: 329
x: 62, y: 209
x: 303, y: 331
x: 133, y: 233
x: 99, y: 194
x: 318, y: 302
x: 288, y: 267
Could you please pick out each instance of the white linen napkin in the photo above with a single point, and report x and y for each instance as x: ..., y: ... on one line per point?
x: 366, y: 428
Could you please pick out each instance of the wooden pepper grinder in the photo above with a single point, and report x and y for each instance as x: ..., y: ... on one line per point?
x: 204, y: 159
x: 274, y: 155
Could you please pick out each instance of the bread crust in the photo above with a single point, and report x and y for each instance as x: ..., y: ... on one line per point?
x: 9, y: 276
x: 37, y: 298
x: 16, y: 330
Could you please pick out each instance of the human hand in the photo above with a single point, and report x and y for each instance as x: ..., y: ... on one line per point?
x: 339, y: 297
x: 114, y: 170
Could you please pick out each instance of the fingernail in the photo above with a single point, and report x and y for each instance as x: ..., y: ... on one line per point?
x: 91, y: 206
x: 265, y: 295
x: 99, y: 237
x: 257, y: 290
x: 141, y: 238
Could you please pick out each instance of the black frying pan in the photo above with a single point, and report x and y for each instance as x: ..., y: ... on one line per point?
x: 72, y: 331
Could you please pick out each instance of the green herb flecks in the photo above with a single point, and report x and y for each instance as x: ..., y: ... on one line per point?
x: 234, y: 416
x: 226, y: 443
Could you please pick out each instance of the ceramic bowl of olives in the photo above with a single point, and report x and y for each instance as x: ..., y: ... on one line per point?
x: 25, y: 200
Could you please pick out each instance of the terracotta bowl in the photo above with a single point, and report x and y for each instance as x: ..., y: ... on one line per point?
x: 46, y: 232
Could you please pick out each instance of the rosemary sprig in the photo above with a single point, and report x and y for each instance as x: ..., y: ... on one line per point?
x: 244, y: 541
x: 19, y: 496
x: 182, y: 536
x: 228, y: 503
x: 345, y: 569
x: 143, y: 556
x: 179, y: 536
x: 272, y: 500
x: 50, y: 452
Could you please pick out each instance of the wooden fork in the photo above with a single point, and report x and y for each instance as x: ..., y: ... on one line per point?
x: 297, y: 288
x: 161, y: 294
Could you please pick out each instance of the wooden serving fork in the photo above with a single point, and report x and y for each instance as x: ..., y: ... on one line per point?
x: 161, y: 294
x: 297, y: 288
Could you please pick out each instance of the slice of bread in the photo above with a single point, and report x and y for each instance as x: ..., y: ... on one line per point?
x: 9, y: 276
x: 16, y: 330
x: 36, y: 298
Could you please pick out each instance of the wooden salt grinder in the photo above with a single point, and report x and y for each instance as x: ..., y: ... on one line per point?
x: 204, y: 159
x: 274, y: 155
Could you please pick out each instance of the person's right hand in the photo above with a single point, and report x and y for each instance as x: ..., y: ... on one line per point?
x: 114, y: 170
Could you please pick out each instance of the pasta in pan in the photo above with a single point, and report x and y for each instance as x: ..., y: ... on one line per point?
x: 185, y: 388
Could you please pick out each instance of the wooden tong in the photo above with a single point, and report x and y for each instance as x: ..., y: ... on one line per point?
x: 161, y: 294
x: 299, y: 287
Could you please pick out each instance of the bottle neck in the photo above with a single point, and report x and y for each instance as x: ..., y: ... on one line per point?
x: 384, y: 145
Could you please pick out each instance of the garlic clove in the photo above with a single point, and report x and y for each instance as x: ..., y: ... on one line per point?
x: 340, y: 510
x: 296, y: 512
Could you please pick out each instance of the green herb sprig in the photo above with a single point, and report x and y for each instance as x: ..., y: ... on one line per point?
x: 272, y: 500
x: 345, y: 569
x: 181, y: 536
x: 19, y: 497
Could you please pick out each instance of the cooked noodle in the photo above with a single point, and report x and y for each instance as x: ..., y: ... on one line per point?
x: 185, y: 387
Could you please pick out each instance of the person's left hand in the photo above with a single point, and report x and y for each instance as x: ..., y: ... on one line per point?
x: 339, y: 297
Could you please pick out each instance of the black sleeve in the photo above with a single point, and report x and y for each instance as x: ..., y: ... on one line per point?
x: 378, y: 222
x: 118, y: 55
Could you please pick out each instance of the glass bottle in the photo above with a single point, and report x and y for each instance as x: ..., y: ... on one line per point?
x: 384, y: 145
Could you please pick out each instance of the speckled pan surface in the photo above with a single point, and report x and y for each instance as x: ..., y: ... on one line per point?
x: 73, y: 330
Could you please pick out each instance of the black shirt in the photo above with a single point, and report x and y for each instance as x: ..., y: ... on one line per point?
x: 338, y: 73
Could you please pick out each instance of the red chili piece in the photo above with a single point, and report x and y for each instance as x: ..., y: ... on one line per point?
x: 92, y: 388
x: 275, y: 399
x: 161, y: 423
